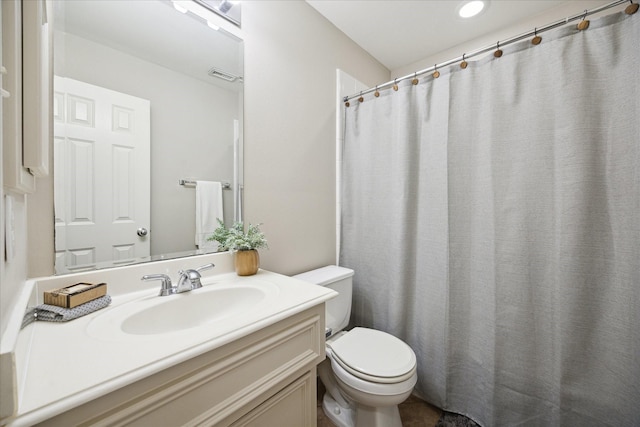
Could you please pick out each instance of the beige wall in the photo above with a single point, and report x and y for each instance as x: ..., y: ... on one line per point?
x: 291, y: 56
x: 14, y: 271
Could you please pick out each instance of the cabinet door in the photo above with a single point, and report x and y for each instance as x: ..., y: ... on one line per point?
x: 295, y: 405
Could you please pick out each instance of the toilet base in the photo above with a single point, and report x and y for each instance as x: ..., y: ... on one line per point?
x: 385, y: 416
x: 362, y: 416
x: 340, y: 416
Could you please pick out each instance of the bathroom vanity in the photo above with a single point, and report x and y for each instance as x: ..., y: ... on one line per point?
x: 240, y: 351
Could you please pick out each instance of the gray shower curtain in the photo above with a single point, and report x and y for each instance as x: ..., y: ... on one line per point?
x: 492, y: 217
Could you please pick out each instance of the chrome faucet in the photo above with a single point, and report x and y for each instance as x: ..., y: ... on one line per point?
x: 188, y: 280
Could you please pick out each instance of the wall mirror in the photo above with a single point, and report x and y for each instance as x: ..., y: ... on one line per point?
x: 147, y: 102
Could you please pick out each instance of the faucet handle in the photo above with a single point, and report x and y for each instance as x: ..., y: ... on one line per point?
x: 167, y: 288
x: 205, y: 267
x: 190, y: 278
x: 196, y: 283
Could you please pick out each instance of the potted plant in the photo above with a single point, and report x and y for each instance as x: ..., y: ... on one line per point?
x: 244, y: 244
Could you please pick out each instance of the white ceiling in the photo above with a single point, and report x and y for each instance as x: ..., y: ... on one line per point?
x: 400, y: 32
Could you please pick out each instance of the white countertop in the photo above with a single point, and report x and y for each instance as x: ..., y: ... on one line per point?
x: 98, y: 365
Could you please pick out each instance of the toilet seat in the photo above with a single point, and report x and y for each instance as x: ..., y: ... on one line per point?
x: 369, y: 387
x: 373, y: 356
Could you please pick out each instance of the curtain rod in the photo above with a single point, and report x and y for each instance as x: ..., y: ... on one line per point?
x: 631, y: 9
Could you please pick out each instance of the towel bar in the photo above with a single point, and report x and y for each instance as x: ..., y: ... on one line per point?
x: 191, y: 182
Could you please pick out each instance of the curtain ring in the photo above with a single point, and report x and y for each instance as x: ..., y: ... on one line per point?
x: 361, y: 99
x: 584, y: 24
x: 632, y: 8
x: 395, y: 84
x: 498, y: 52
x: 463, y: 64
x: 436, y: 73
x: 415, y: 79
x: 536, y: 39
x: 376, y: 93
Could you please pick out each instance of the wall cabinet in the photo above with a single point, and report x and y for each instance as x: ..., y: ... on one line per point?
x: 267, y: 378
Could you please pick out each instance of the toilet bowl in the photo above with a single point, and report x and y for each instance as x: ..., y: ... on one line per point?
x: 374, y: 372
x: 367, y: 372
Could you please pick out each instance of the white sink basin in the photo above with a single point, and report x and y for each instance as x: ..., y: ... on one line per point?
x: 209, y: 306
x: 192, y: 309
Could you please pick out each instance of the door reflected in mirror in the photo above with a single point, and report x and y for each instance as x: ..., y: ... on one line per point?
x: 146, y: 98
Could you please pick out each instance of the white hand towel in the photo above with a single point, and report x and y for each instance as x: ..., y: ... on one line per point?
x: 208, y: 210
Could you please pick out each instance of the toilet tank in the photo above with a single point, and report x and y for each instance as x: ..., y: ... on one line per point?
x: 339, y: 279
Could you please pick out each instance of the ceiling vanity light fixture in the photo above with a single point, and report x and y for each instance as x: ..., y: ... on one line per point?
x: 180, y: 8
x: 211, y: 10
x: 227, y: 9
x: 468, y: 9
x: 225, y: 6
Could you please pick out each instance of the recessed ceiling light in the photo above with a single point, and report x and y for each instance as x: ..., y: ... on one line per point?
x: 470, y: 8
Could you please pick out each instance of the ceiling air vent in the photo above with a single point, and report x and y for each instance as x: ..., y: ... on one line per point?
x: 216, y: 72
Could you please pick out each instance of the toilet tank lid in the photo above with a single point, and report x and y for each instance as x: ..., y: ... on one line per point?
x: 324, y: 275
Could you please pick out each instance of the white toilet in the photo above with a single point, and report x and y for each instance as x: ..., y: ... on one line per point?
x: 367, y: 372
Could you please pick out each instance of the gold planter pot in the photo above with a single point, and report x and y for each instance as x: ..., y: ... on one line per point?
x: 247, y: 262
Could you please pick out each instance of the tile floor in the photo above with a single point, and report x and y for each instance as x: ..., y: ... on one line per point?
x: 414, y: 412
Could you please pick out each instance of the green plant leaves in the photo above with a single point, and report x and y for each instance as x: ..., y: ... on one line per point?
x: 235, y: 238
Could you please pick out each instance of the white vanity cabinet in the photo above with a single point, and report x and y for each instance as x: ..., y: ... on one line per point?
x: 267, y: 378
